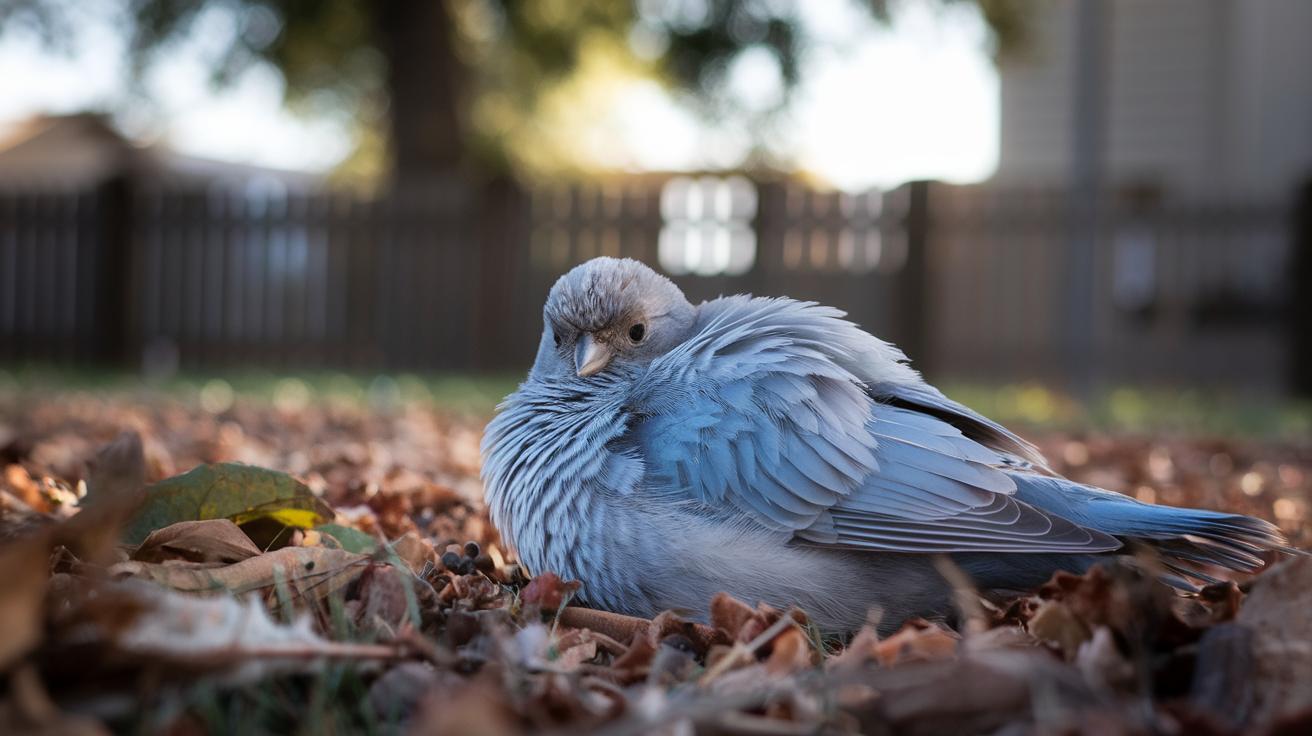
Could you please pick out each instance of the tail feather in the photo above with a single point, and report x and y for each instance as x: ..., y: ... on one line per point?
x: 1188, y: 540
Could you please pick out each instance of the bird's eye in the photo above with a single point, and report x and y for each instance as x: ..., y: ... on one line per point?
x: 637, y: 332
x: 556, y: 336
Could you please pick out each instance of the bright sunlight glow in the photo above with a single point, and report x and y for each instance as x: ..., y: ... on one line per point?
x: 877, y: 106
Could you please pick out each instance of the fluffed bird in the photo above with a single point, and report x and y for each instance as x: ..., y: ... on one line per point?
x: 660, y: 452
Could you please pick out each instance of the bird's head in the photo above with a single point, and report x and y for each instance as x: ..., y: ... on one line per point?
x: 610, y: 311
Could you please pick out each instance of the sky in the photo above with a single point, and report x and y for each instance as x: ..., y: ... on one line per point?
x: 877, y: 106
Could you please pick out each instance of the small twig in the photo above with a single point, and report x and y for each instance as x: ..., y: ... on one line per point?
x: 328, y: 649
x: 622, y: 628
x: 617, y: 626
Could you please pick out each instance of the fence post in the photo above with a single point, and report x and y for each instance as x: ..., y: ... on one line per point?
x: 1300, y: 294
x: 116, y: 290
x: 913, y: 282
x: 501, y: 214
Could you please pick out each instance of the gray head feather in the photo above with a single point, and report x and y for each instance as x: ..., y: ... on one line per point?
x: 634, y: 313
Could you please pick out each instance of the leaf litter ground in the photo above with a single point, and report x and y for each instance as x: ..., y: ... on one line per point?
x: 346, y: 579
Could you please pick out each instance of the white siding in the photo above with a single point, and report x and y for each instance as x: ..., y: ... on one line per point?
x: 1203, y: 96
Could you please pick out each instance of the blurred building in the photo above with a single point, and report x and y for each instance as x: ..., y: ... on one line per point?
x: 1198, y: 98
x: 84, y: 150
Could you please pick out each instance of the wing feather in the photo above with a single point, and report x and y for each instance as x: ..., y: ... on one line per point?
x: 760, y: 412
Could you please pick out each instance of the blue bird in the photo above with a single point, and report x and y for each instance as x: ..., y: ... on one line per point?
x: 661, y: 452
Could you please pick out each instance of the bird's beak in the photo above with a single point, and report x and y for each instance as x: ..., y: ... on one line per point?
x: 590, y: 356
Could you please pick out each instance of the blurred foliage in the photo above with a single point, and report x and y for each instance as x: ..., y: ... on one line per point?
x: 513, y: 61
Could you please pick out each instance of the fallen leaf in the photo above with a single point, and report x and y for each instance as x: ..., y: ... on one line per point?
x: 309, y: 572
x: 1001, y: 637
x: 383, y: 601
x: 26, y: 490
x: 791, y: 652
x: 234, y: 639
x: 548, y: 591
x: 348, y: 538
x: 1055, y: 624
x: 917, y: 641
x: 739, y: 620
x: 241, y: 493
x: 414, y: 551
x: 212, y: 540
x: 570, y: 658
x: 858, y: 652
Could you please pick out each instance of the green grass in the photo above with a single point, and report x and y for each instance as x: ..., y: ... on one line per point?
x: 1130, y: 409
x: 1141, y: 410
x: 475, y: 394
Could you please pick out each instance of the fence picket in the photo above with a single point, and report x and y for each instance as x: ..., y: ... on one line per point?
x: 968, y: 279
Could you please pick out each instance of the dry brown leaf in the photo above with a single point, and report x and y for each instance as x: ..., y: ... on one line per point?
x: 917, y: 641
x: 472, y: 592
x: 857, y: 653
x: 670, y: 627
x: 1001, y: 637
x: 234, y: 638
x: 211, y: 540
x: 415, y: 551
x: 1055, y: 624
x: 732, y: 616
x: 583, y: 651
x: 548, y: 591
x: 25, y: 488
x: 791, y: 652
x: 383, y: 598
x: 310, y: 572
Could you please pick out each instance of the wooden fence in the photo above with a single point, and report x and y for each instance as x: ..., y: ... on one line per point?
x: 972, y: 281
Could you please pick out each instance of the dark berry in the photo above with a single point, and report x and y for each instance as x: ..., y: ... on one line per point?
x: 451, y: 561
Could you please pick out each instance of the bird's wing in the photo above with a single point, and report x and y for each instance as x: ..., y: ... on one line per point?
x: 756, y: 414
x: 753, y: 413
x: 924, y: 398
x: 937, y: 490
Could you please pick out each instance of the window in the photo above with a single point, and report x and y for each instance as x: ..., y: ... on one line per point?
x: 706, y: 226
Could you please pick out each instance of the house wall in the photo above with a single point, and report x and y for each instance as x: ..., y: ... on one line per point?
x: 1203, y: 98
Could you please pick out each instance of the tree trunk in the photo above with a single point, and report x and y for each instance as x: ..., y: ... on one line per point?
x: 425, y: 89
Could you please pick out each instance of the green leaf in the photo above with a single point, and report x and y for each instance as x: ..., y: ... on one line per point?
x: 233, y: 491
x: 348, y: 538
